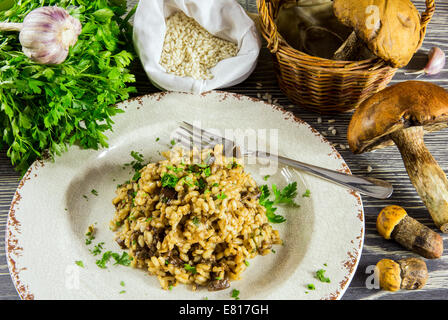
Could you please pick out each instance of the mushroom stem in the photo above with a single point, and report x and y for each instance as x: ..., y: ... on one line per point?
x: 10, y: 26
x: 426, y: 175
x: 349, y: 50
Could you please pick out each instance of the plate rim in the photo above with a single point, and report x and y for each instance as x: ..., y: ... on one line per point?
x: 12, y: 245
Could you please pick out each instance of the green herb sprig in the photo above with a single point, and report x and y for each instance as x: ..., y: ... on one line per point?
x: 283, y: 196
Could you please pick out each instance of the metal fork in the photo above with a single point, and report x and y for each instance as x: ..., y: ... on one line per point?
x: 188, y: 135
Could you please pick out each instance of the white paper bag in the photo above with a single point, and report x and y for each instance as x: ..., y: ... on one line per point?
x: 223, y: 18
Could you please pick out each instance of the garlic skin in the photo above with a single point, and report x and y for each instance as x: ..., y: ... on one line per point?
x: 47, y: 34
x: 436, y: 61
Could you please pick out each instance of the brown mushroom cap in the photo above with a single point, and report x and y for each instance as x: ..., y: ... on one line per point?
x: 414, y: 273
x: 403, y: 105
x: 389, y: 275
x: 394, y: 38
x: 388, y: 218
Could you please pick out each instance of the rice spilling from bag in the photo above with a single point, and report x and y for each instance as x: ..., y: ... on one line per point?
x: 193, y: 222
x: 191, y: 51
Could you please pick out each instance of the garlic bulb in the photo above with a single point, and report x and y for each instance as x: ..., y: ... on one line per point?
x: 46, y: 34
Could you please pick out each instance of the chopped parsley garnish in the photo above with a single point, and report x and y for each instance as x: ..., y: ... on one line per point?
x: 124, y: 259
x: 306, y: 194
x: 122, y: 283
x: 235, y: 294
x: 169, y: 180
x: 94, y: 192
x: 85, y: 197
x: 188, y: 181
x: 268, y: 204
x: 79, y: 263
x: 202, y: 184
x: 136, y: 176
x: 189, y: 268
x: 122, y: 291
x: 246, y: 263
x: 207, y: 172
x: 216, y: 184
x: 89, y: 238
x: 311, y: 286
x: 175, y: 169
x: 265, y: 178
x: 282, y: 196
x: 104, y: 259
x: 137, y: 156
x: 173, y: 142
x: 137, y: 164
x: 285, y: 195
x: 97, y: 249
x: 170, y: 288
x: 218, y: 278
x: 157, y: 139
x: 196, y: 221
x: 221, y: 196
x: 320, y: 274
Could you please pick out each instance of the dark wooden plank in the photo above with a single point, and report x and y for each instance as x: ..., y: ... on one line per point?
x: 386, y: 164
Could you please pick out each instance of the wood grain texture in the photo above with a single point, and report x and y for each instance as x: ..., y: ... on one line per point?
x: 386, y: 164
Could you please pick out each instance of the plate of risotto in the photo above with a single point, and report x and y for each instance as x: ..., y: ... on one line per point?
x: 149, y: 218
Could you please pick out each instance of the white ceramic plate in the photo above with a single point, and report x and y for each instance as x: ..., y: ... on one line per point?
x: 49, y: 214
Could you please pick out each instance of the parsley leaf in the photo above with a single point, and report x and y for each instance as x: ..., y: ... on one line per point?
x: 268, y: 204
x: 286, y: 195
x: 104, y: 259
x: 320, y: 274
x: 124, y: 259
x: 235, y: 294
x: 169, y: 180
x: 189, y: 268
x: 79, y: 263
x: 221, y: 196
x: 137, y: 156
x: 196, y: 221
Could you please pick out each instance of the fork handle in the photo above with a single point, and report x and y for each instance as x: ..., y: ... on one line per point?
x: 372, y: 187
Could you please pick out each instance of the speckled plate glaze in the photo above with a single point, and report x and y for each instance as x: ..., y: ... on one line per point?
x: 53, y: 207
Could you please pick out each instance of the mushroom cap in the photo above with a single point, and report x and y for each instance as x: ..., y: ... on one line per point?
x: 388, y: 218
x: 390, y: 29
x: 414, y: 273
x: 403, y: 105
x: 389, y: 274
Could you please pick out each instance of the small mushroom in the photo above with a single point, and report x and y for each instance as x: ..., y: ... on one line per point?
x: 402, y: 114
x: 394, y: 222
x: 389, y: 274
x: 409, y: 274
x: 390, y: 29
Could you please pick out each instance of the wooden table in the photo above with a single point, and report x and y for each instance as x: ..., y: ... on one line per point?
x: 386, y: 164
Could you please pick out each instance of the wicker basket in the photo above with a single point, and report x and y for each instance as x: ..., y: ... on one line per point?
x: 324, y: 85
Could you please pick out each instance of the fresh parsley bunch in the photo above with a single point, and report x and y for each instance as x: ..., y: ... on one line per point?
x: 44, y: 109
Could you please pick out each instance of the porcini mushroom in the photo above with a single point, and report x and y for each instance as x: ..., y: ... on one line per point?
x: 394, y: 222
x: 390, y: 29
x: 409, y: 274
x: 402, y: 114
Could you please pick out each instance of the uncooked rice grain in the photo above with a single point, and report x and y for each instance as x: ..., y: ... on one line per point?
x: 193, y: 222
x: 191, y: 51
